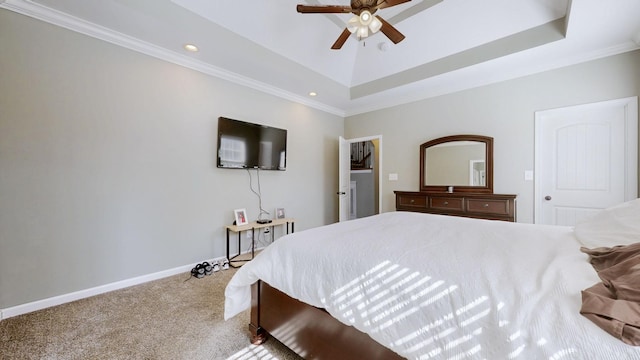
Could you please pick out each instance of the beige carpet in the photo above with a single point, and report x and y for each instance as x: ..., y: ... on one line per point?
x: 165, y: 319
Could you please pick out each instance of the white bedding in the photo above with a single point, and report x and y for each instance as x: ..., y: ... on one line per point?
x: 431, y: 286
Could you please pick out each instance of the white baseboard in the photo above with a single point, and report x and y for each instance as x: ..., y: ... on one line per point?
x: 82, y: 294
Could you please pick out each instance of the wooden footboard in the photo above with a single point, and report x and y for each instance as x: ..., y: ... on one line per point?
x: 309, y: 331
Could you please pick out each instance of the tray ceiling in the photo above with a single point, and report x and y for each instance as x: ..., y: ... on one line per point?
x: 450, y: 45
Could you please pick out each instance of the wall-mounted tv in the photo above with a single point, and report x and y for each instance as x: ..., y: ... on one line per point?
x: 244, y: 145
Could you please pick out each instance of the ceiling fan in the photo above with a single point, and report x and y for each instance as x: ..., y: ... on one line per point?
x: 363, y: 23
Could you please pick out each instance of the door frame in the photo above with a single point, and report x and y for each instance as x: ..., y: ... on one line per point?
x: 631, y: 147
x: 378, y: 165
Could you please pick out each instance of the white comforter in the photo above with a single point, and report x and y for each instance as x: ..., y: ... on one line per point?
x: 431, y: 286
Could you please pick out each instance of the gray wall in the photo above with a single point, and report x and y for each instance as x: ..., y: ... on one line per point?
x: 107, y: 162
x: 365, y: 192
x: 107, y: 167
x: 504, y: 111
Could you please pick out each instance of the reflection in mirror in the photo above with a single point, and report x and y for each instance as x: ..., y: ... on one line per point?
x: 462, y: 163
x: 477, y: 172
x: 456, y: 163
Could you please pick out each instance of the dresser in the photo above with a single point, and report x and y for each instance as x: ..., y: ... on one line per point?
x: 456, y: 178
x: 481, y: 206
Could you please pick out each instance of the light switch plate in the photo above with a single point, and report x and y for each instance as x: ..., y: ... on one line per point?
x: 528, y: 175
x: 393, y: 177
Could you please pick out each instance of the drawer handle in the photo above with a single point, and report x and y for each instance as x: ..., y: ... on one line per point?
x: 446, y: 203
x: 412, y: 201
x: 486, y: 205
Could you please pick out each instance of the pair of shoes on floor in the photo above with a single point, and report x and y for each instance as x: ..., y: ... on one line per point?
x: 200, y: 270
x: 221, y: 265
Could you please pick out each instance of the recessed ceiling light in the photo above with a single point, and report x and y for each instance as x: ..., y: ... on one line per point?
x: 313, y: 93
x: 191, y: 47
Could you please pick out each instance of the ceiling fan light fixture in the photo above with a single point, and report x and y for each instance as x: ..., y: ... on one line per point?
x: 364, y: 25
x: 365, y: 18
x: 353, y: 24
x: 363, y: 32
x: 375, y: 25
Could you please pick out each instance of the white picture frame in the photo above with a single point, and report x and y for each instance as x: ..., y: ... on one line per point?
x: 280, y: 213
x: 241, y: 217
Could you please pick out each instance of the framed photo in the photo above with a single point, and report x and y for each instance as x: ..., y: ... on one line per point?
x: 280, y: 213
x: 241, y: 216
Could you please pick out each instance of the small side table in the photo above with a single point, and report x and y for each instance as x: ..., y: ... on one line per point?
x: 253, y: 226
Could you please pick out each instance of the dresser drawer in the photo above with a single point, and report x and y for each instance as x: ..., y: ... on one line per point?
x: 489, y: 206
x: 445, y: 203
x: 412, y: 200
x: 473, y: 205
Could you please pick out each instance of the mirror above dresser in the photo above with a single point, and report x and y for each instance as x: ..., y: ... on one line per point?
x: 456, y: 178
x: 461, y: 162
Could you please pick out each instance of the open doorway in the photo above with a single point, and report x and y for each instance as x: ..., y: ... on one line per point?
x: 360, y: 172
x: 364, y: 184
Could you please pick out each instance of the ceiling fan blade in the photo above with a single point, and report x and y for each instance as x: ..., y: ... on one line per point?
x: 327, y: 9
x: 392, y: 33
x: 389, y: 3
x: 341, y: 40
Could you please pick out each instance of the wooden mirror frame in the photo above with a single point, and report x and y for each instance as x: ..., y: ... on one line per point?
x: 488, y: 141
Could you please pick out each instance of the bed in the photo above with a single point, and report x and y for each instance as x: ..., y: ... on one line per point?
x: 423, y: 286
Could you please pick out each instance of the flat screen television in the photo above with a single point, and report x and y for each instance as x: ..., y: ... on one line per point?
x: 244, y: 145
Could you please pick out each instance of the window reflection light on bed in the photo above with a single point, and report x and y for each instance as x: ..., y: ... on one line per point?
x: 388, y: 294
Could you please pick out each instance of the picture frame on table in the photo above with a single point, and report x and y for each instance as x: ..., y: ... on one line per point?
x: 241, y: 217
x: 280, y: 213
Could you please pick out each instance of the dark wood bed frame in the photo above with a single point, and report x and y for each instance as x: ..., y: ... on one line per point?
x: 309, y: 331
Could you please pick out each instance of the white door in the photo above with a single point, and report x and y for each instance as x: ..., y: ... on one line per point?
x: 344, y: 178
x: 586, y: 159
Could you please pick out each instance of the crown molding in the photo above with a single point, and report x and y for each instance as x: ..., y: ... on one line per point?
x: 70, y: 22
